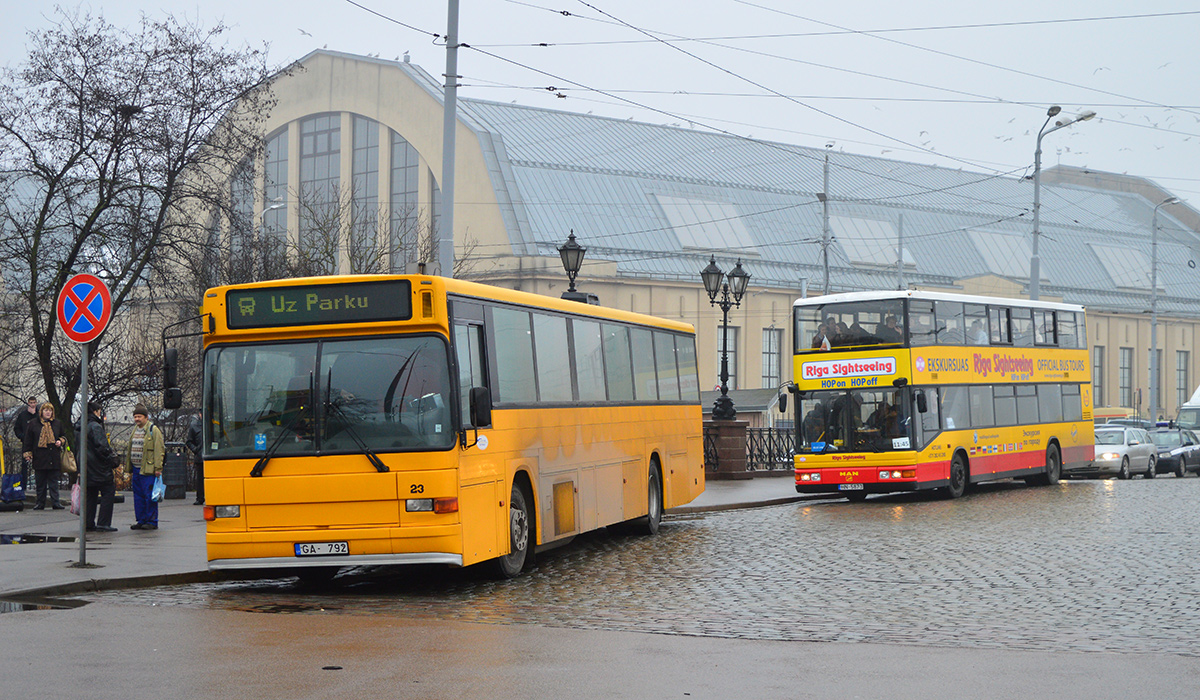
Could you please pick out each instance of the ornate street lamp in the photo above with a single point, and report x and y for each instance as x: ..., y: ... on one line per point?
x: 731, y: 287
x: 572, y: 259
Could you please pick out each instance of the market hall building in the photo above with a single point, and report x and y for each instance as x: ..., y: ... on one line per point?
x: 653, y: 204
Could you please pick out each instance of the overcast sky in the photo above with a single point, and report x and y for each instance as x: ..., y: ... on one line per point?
x: 913, y: 81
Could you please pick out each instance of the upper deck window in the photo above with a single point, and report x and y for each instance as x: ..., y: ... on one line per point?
x: 849, y: 325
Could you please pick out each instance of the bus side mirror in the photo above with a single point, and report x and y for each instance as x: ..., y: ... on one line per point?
x: 481, y: 407
x: 170, y: 367
x: 782, y: 403
x: 173, y: 398
x: 922, y: 403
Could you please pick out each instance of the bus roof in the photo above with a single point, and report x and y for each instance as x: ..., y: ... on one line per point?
x: 877, y: 295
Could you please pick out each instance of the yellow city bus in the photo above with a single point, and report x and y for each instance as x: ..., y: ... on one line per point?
x: 416, y: 419
x: 911, y: 390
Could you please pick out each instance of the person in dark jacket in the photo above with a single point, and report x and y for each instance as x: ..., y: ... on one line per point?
x: 101, y: 460
x: 43, y: 448
x: 194, y: 438
x: 19, y: 424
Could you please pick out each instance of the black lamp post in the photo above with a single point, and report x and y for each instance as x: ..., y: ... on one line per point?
x: 572, y: 259
x: 731, y: 288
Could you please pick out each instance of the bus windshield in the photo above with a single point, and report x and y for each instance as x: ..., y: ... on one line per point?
x: 866, y: 420
x: 333, y: 396
x: 849, y: 325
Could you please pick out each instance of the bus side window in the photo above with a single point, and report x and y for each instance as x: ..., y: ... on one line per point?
x: 468, y: 346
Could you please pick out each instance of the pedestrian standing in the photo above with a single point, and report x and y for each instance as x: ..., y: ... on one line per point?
x: 42, y: 447
x: 101, y: 461
x: 194, y: 441
x: 145, y: 458
x: 19, y: 424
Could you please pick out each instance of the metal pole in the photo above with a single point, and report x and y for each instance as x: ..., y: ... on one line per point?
x: 1154, y: 315
x: 445, y: 232
x: 825, y: 224
x: 1035, y: 263
x: 900, y: 253
x: 81, y: 439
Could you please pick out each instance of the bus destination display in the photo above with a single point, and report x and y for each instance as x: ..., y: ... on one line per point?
x: 310, y: 305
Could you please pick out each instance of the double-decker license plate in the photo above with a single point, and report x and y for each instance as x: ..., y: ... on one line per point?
x: 320, y: 549
x: 841, y: 487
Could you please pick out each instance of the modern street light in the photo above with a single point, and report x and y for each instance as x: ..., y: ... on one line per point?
x: 1035, y: 262
x: 1154, y: 307
x: 263, y: 216
x: 731, y: 288
x: 572, y: 259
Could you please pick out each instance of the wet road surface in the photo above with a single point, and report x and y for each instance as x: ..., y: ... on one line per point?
x: 1086, y: 566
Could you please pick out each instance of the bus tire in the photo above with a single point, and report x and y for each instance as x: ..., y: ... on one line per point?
x: 1053, y: 468
x: 958, y: 477
x: 520, y: 533
x: 649, y: 524
x: 1152, y: 467
x: 1124, y: 473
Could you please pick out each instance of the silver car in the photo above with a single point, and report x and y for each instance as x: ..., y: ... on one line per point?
x: 1124, y: 451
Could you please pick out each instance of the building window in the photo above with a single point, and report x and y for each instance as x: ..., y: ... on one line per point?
x: 732, y: 332
x: 242, y: 228
x: 1183, y: 387
x: 406, y: 220
x: 1126, y: 377
x: 320, y: 199
x: 1098, y: 375
x: 364, y: 211
x: 275, y: 192
x: 772, y: 357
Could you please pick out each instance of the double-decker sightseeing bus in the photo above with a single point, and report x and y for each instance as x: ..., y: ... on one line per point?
x: 911, y: 390
x: 419, y: 419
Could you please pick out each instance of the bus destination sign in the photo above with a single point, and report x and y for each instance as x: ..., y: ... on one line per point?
x: 315, y: 304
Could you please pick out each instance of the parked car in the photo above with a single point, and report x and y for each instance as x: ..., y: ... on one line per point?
x: 1178, y: 451
x: 1121, y: 451
x: 1135, y: 422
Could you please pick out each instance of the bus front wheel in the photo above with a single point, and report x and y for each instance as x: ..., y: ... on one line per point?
x: 519, y: 533
x: 654, y: 503
x: 958, y: 478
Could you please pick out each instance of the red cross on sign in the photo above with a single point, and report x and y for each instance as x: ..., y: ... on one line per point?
x: 84, y: 307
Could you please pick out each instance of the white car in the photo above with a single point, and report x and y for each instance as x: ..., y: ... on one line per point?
x: 1121, y: 450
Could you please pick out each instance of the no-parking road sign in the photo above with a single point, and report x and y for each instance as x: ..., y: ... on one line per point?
x: 84, y: 307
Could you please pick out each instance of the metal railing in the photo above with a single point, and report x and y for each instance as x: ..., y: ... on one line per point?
x: 770, y: 449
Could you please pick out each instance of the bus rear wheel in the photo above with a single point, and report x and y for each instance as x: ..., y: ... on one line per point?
x: 649, y: 524
x: 519, y: 533
x: 1053, y: 469
x: 958, y: 478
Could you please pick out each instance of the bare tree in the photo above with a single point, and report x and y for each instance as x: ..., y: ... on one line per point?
x: 112, y: 139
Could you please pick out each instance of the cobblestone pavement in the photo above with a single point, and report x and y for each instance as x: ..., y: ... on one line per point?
x: 1088, y: 566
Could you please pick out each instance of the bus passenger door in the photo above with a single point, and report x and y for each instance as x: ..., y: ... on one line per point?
x: 484, y: 499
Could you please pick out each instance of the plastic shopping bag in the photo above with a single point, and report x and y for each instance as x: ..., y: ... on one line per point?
x: 76, y: 497
x: 159, y: 491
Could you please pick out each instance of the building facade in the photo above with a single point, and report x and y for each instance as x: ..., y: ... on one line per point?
x: 353, y: 166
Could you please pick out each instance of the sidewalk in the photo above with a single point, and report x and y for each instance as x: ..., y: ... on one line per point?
x: 175, y: 552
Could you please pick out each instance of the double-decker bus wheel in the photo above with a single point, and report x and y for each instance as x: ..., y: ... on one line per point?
x: 958, y: 477
x: 1053, y: 469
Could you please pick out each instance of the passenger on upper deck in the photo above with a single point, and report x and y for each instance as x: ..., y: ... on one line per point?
x: 887, y: 331
x: 977, y: 335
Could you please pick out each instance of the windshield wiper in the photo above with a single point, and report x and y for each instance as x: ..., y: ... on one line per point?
x: 362, y: 445
x: 261, y: 464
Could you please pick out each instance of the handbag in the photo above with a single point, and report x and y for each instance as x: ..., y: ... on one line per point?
x: 12, y: 490
x: 68, y: 462
x: 76, y: 497
x: 159, y: 491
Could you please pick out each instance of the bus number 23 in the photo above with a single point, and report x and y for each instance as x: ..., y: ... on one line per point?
x: 416, y: 488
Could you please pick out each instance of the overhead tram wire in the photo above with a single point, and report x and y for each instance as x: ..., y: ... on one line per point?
x: 962, y: 58
x: 997, y: 173
x: 800, y: 35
